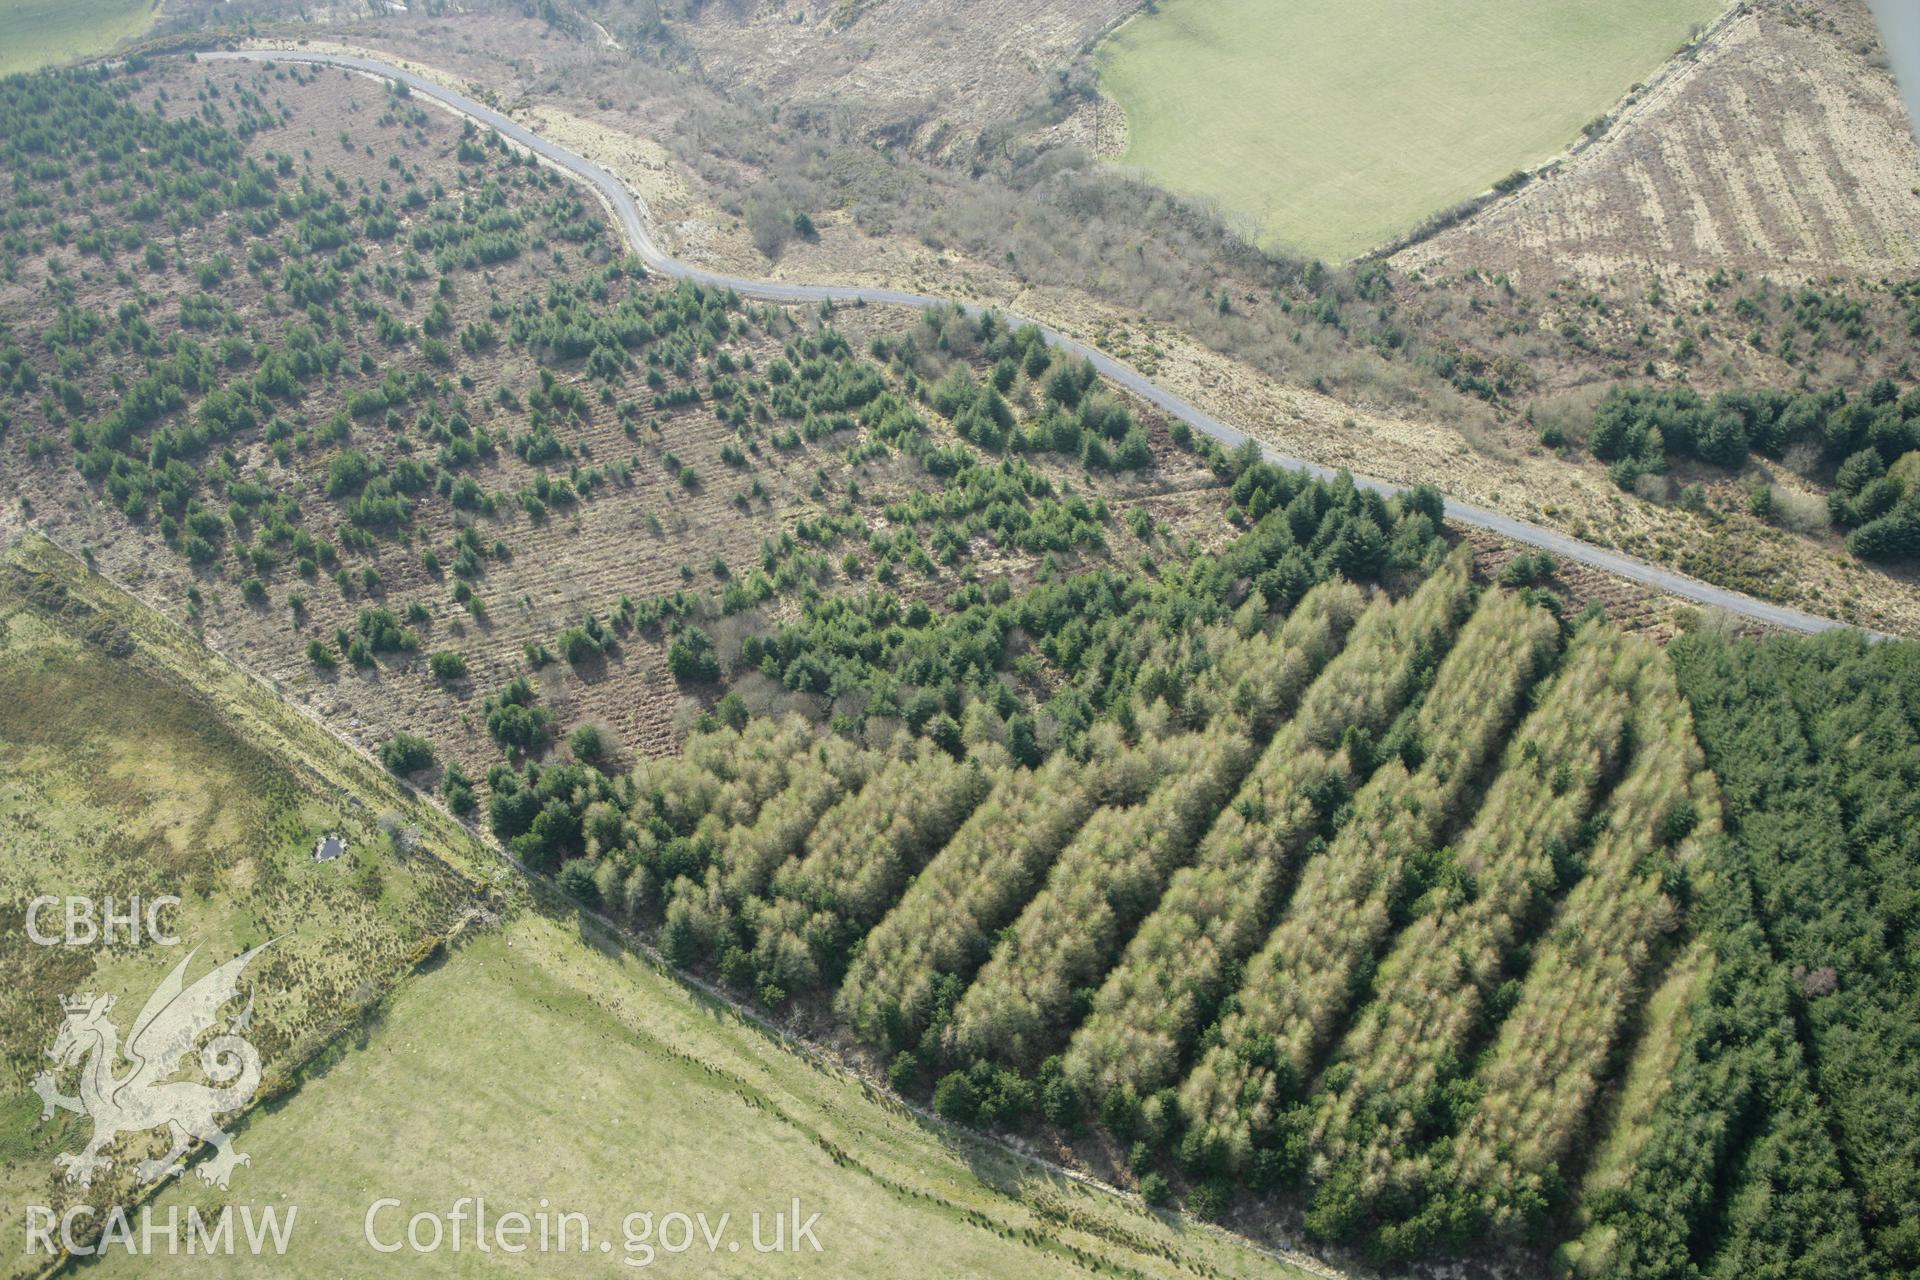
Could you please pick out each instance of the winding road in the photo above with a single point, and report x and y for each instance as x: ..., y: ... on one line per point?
x: 633, y: 218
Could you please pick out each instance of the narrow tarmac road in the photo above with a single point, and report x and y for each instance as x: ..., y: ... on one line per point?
x: 634, y: 220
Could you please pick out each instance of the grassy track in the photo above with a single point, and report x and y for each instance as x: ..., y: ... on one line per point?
x: 1335, y: 125
x: 38, y: 33
x: 537, y: 1063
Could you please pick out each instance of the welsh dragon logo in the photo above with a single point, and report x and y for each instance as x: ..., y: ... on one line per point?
x: 162, y: 1039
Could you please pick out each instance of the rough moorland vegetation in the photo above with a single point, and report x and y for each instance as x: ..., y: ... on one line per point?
x: 1418, y: 356
x: 384, y: 410
x: 138, y: 766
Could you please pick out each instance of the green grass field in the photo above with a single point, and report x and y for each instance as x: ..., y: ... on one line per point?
x: 544, y: 1062
x: 39, y: 33
x: 1335, y: 125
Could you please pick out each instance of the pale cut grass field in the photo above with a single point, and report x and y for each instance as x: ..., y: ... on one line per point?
x: 1332, y: 126
x: 545, y: 1063
x: 39, y: 33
